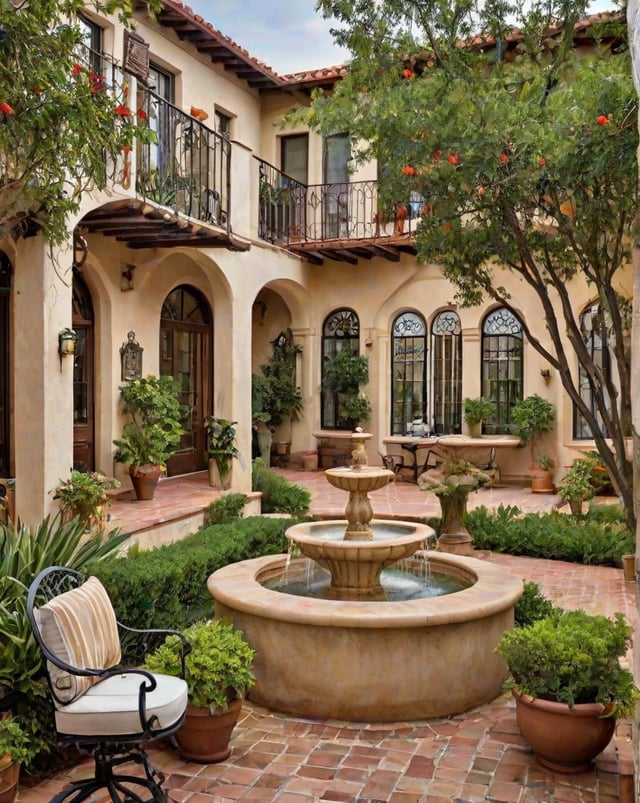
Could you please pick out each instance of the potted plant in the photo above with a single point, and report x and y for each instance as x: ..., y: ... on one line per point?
x: 85, y: 495
x: 152, y: 435
x: 275, y: 393
x: 15, y: 749
x: 221, y: 449
x: 568, y: 684
x: 219, y: 672
x: 476, y: 411
x: 532, y: 417
x: 577, y: 484
x: 344, y: 374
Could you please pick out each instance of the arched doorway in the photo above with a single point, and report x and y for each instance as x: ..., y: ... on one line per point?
x: 185, y: 354
x: 83, y: 377
x: 5, y: 386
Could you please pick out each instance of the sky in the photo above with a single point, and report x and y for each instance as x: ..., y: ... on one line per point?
x: 287, y: 35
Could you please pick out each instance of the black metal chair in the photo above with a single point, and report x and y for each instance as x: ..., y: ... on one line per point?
x: 100, y: 706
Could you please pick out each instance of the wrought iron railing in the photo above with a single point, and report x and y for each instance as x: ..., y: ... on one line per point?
x: 293, y: 212
x: 188, y: 168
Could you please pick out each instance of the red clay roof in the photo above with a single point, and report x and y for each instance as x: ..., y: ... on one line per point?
x: 195, y: 29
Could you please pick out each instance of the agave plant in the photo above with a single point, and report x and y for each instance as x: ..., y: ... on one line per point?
x: 24, y: 552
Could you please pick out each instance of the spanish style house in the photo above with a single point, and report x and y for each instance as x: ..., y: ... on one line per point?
x: 228, y: 233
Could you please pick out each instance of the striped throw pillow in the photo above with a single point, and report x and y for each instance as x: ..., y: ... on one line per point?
x: 79, y: 627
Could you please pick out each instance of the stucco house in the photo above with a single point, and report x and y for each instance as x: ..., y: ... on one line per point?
x: 229, y: 233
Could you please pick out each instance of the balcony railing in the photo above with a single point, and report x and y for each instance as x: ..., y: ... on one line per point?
x: 188, y: 168
x: 292, y: 212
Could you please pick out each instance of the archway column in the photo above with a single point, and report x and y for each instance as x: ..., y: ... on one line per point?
x: 232, y: 379
x: 43, y: 383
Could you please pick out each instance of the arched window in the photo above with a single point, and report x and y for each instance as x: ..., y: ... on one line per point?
x: 502, y: 364
x: 341, y: 329
x: 408, y: 372
x: 446, y: 376
x: 593, y: 326
x: 185, y: 354
x: 5, y: 393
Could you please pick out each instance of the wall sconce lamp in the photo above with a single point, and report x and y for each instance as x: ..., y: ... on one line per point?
x: 545, y: 373
x: 67, y: 340
x: 368, y: 342
x: 126, y: 278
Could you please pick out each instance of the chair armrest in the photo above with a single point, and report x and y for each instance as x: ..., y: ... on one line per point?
x: 153, y: 637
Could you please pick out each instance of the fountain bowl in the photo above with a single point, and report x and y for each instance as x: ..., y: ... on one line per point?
x: 372, y: 660
x: 355, y: 565
x: 358, y: 479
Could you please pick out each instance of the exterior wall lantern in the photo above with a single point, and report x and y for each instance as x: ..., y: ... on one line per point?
x: 67, y: 340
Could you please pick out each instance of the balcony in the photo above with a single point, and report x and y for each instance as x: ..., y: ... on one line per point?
x: 182, y: 184
x: 342, y: 221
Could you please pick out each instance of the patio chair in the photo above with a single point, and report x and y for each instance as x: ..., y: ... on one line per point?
x: 100, y: 706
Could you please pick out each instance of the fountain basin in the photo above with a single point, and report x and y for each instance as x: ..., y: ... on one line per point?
x: 355, y: 565
x: 359, y: 480
x: 375, y: 661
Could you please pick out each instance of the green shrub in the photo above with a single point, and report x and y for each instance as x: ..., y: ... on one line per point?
x: 572, y: 657
x: 166, y: 587
x: 598, y: 538
x: 533, y: 605
x: 224, y: 510
x: 279, y: 495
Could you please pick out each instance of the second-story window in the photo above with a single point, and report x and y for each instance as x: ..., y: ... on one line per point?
x: 157, y: 160
x: 222, y: 123
x: 502, y: 353
x: 335, y: 168
x: 294, y: 157
x: 408, y: 372
x: 446, y: 373
x: 92, y: 36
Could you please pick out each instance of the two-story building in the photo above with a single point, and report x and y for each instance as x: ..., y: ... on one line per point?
x: 226, y: 233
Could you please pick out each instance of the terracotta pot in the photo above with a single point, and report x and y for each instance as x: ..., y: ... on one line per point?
x: 205, y: 737
x: 564, y: 739
x: 145, y: 480
x: 541, y: 480
x: 9, y: 776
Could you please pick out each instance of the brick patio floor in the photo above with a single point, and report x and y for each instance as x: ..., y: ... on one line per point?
x: 472, y: 757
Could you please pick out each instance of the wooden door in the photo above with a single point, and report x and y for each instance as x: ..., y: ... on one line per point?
x: 83, y: 378
x: 185, y: 354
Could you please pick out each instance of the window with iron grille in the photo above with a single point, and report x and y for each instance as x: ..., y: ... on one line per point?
x: 502, y: 356
x: 446, y: 373
x: 408, y: 372
x: 595, y: 333
x: 341, y: 329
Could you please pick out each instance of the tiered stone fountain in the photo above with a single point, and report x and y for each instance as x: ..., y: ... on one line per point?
x: 352, y: 654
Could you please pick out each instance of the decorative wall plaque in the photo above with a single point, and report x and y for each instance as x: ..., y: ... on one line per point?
x: 131, y: 358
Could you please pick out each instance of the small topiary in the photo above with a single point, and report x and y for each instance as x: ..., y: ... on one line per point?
x: 224, y: 510
x: 533, y: 605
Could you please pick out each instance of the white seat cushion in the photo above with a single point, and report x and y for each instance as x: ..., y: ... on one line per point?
x: 110, y: 707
